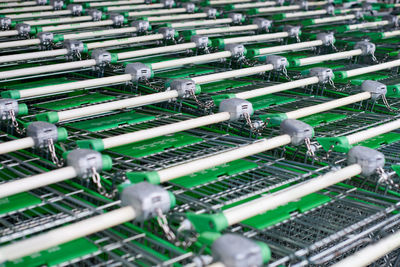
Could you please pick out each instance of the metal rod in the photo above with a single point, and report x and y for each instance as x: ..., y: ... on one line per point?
x: 17, y: 144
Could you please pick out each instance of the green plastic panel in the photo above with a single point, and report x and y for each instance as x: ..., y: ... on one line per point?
x: 211, y: 174
x: 222, y: 86
x: 317, y: 119
x: 270, y: 100
x: 75, y: 101
x: 156, y: 145
x: 18, y: 201
x: 113, y: 121
x: 182, y: 73
x: 56, y: 255
x: 283, y: 213
x: 379, y: 140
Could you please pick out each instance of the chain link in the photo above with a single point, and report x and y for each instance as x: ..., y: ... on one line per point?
x: 386, y: 103
x: 206, y: 105
x: 163, y: 223
x: 97, y: 180
x: 58, y: 162
x: 257, y: 130
x: 385, y: 178
x: 14, y: 123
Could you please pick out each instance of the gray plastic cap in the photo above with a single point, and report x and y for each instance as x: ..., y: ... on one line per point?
x: 377, y: 89
x: 41, y: 132
x: 168, y: 3
x: 167, y: 32
x: 6, y: 106
x: 237, y: 50
x: 41, y: 2
x: 278, y: 62
x: 366, y: 47
x: 211, y: 12
x: 324, y: 74
x: 326, y: 38
x: 236, y: 107
x: 117, y: 19
x: 146, y: 199
x: 84, y: 160
x: 73, y: 46
x: 5, y: 23
x: 95, y: 14
x: 190, y: 7
x: 138, y: 71
x: 101, y: 56
x: 141, y: 25
x: 236, y: 17
x: 330, y: 9
x: 369, y: 159
x: 200, y: 41
x: 293, y: 31
x: 263, y: 24
x: 75, y: 9
x: 297, y: 130
x: 23, y: 29
x: 45, y: 37
x: 236, y: 251
x: 184, y: 87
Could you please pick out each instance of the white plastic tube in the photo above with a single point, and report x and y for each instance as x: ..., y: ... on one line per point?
x: 58, y: 20
x: 157, y: 12
x: 334, y: 56
x: 289, y: 47
x: 8, y: 33
x: 258, y: 206
x: 128, y: 138
x: 251, y: 27
x: 372, y: 132
x: 224, y: 2
x: 157, y: 50
x: 333, y: 19
x: 278, y: 9
x: 372, y: 253
x: 51, y: 89
x: 36, y: 181
x: 131, y: 40
x: 134, y: 7
x: 33, y: 55
x: 367, y: 25
x: 307, y: 111
x: 19, y: 43
x: 373, y: 68
x: 221, y: 158
x: 254, y: 5
x: 66, y: 233
x: 177, y: 17
x: 17, y: 4
x: 232, y: 74
x: 305, y: 13
x: 190, y: 60
x: 216, y: 264
x: 277, y: 88
x: 47, y: 69
x: 17, y: 144
x: 39, y: 14
x: 391, y: 34
x: 255, y: 38
x: 25, y: 9
x: 77, y: 26
x: 115, y: 105
x: 91, y: 34
x: 196, y: 23
x: 112, y: 3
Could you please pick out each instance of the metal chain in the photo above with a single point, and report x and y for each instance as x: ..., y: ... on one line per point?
x: 253, y: 128
x: 206, y: 105
x: 297, y: 38
x: 285, y: 73
x: 311, y: 151
x: 97, y: 180
x: 386, y: 103
x: 385, y: 178
x: 14, y: 122
x: 148, y: 83
x: 58, y: 162
x: 163, y: 223
x: 374, y: 58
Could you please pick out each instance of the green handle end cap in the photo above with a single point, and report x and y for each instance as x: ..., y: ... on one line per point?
x: 51, y: 117
x: 22, y: 109
x: 107, y: 162
x: 208, y: 222
x: 62, y: 134
x: 14, y: 94
x: 137, y: 177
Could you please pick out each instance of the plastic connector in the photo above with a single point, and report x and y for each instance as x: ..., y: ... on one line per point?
x: 280, y: 63
x: 46, y: 38
x: 293, y: 31
x: 185, y: 87
x: 330, y: 10
x: 101, y: 56
x: 211, y: 12
x: 142, y: 26
x: 376, y: 89
x: 237, y: 50
x: 57, y: 4
x: 327, y: 39
x: 95, y: 14
x: 369, y: 159
x: 139, y: 71
x: 117, y: 19
x: 23, y: 29
x: 297, y: 130
x: 237, y: 108
x: 325, y: 75
x: 147, y: 200
x: 75, y: 9
x: 5, y: 23
x: 41, y: 132
x: 237, y: 251
x: 366, y: 47
x: 263, y: 24
x: 167, y: 32
x: 74, y: 46
x: 41, y: 2
x: 200, y: 41
x: 168, y: 3
x: 237, y: 18
x: 9, y: 106
x: 394, y: 20
x: 85, y: 160
x: 304, y: 4
x: 190, y: 7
